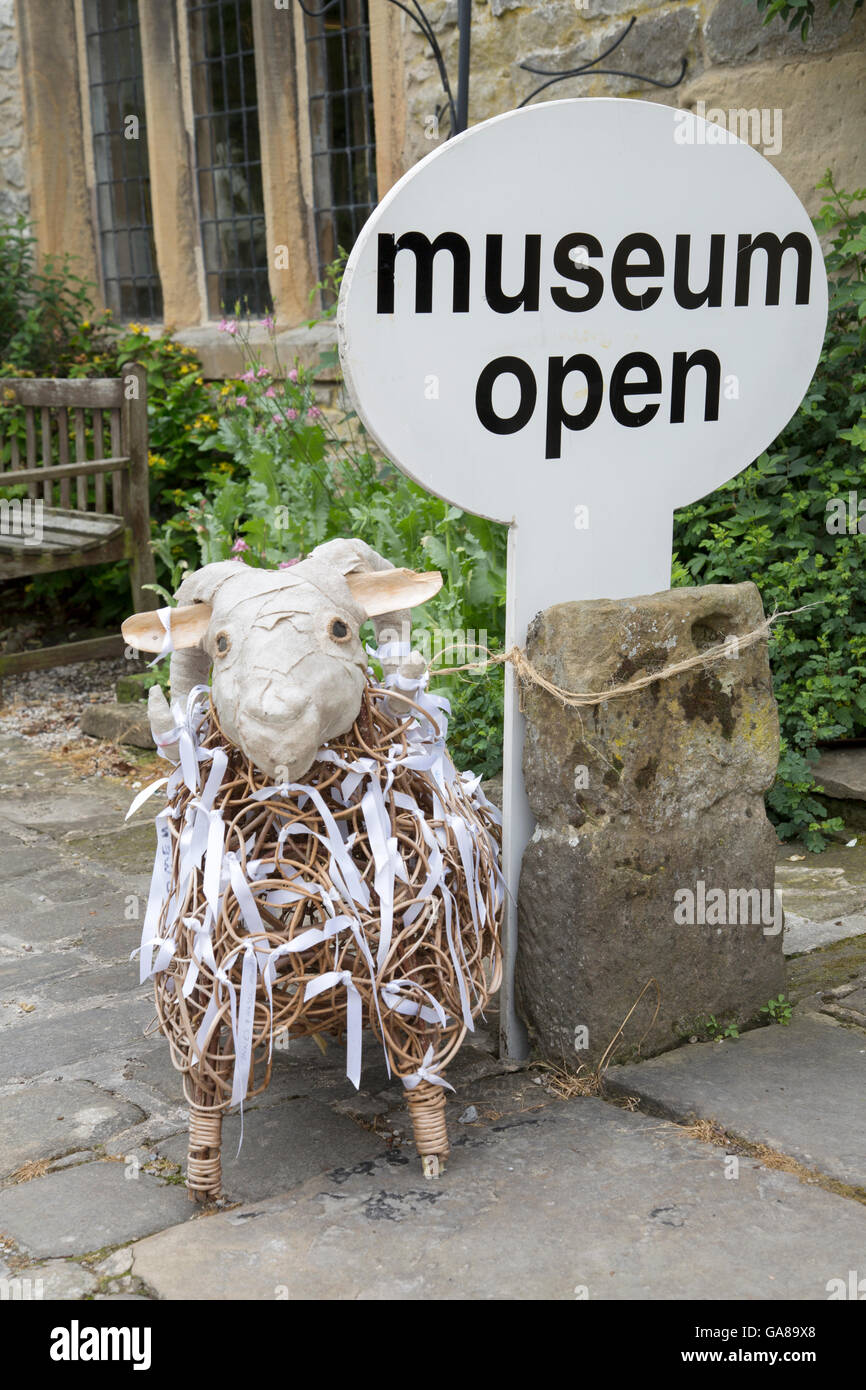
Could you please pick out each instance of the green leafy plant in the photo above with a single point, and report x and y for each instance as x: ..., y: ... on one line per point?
x: 718, y: 1031
x: 48, y: 324
x: 770, y: 524
x: 779, y: 1010
x: 798, y: 14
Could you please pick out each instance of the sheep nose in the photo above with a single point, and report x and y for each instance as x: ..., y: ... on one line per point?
x: 281, y: 706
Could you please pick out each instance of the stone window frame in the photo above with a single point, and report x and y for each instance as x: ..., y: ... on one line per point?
x: 60, y: 151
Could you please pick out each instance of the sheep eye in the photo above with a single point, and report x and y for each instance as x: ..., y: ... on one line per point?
x: 338, y: 630
x: 223, y: 642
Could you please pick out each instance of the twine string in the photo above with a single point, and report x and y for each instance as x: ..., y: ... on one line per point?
x: 527, y: 673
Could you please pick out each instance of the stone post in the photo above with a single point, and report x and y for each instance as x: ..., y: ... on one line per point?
x: 653, y: 858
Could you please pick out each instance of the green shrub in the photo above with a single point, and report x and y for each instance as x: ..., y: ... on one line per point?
x: 48, y: 325
x: 770, y: 525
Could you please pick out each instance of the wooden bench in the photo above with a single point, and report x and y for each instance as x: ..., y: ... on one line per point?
x: 78, y: 510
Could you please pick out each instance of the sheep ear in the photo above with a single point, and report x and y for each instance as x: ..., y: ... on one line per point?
x: 387, y: 591
x: 189, y: 623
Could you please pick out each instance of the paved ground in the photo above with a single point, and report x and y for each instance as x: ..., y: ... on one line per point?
x: 730, y: 1169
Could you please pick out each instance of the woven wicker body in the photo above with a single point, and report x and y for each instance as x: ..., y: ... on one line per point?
x: 417, y: 987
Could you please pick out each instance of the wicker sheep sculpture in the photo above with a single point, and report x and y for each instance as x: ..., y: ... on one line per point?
x: 321, y: 867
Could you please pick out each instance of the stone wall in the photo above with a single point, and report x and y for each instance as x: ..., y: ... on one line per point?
x: 733, y: 63
x: 13, y: 182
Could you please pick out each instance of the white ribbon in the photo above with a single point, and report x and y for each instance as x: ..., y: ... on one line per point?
x: 160, y: 882
x: 424, y: 1074
x: 142, y: 796
x: 393, y: 999
x: 242, y: 1028
x: 354, y: 1016
x: 164, y: 615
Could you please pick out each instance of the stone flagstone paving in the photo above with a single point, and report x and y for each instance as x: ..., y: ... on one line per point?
x: 543, y: 1197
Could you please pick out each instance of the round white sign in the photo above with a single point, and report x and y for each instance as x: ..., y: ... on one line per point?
x: 583, y: 301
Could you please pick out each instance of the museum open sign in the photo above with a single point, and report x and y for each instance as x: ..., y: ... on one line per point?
x: 576, y: 283
x: 573, y: 284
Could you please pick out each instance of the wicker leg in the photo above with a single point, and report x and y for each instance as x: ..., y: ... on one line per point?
x: 427, y: 1109
x: 204, y: 1171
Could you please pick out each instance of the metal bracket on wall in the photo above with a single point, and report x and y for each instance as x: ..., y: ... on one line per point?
x: 590, y: 68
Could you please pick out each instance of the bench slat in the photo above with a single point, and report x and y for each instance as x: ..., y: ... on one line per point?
x: 118, y: 480
x: 30, y: 428
x: 47, y: 494
x: 103, y: 393
x: 99, y: 504
x: 63, y: 455
x: 80, y: 455
x: 65, y: 470
x: 63, y: 531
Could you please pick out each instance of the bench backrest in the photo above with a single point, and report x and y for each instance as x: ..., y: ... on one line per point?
x: 77, y: 428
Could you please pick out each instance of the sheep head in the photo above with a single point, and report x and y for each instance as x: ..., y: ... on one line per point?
x: 288, y: 664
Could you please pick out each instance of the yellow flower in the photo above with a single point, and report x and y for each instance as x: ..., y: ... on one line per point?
x: 85, y: 323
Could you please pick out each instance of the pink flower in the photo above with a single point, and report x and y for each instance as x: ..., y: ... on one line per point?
x: 263, y: 371
x: 250, y: 375
x: 240, y: 400
x: 291, y: 414
x: 293, y: 375
x: 314, y: 412
x: 228, y: 326
x: 267, y: 323
x: 239, y: 546
x: 287, y: 564
x: 277, y: 419
x: 270, y: 391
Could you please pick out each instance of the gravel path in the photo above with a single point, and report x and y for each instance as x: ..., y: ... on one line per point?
x: 44, y: 708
